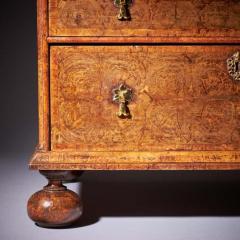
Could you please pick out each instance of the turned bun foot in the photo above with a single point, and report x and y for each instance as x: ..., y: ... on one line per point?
x: 55, y: 205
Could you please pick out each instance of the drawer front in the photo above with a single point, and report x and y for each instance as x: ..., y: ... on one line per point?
x: 175, y: 98
x: 163, y: 18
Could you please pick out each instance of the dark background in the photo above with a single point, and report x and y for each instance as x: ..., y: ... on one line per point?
x: 18, y: 74
x: 117, y: 205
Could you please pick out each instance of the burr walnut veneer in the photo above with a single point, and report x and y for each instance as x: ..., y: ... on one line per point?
x: 140, y: 85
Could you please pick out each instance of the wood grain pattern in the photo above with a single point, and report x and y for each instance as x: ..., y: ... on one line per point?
x: 166, y: 160
x: 165, y: 18
x: 54, y: 205
x: 43, y: 73
x: 183, y: 100
x: 142, y: 40
x: 185, y: 109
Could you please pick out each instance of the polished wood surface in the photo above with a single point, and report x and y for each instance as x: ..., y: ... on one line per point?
x: 43, y: 73
x: 185, y: 110
x: 55, y: 205
x: 165, y: 160
x: 184, y: 101
x: 142, y: 40
x: 184, y: 98
x: 181, y: 18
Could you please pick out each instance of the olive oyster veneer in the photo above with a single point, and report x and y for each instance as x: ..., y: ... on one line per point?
x: 133, y: 85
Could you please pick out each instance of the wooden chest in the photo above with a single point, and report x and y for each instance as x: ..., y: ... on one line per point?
x: 140, y: 85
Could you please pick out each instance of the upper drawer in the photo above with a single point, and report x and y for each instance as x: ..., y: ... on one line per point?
x: 159, y: 18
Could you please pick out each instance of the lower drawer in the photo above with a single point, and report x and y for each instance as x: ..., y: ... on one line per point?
x: 144, y: 98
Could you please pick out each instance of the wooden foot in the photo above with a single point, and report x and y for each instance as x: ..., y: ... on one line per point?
x: 55, y: 205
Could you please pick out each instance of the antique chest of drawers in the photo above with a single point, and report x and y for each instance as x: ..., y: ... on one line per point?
x: 140, y: 85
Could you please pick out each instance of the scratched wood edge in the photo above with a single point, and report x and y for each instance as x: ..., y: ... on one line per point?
x: 154, y: 40
x: 43, y: 72
x: 166, y: 160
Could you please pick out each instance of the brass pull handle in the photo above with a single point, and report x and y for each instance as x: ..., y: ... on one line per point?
x: 233, y: 66
x: 123, y: 95
x: 124, y: 13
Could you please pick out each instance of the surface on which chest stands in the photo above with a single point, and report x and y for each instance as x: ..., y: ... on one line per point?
x: 159, y: 91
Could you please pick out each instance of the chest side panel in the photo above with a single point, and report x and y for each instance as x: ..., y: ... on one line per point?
x: 183, y: 98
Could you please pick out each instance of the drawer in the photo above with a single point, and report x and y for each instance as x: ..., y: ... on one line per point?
x: 144, y: 98
x: 162, y: 18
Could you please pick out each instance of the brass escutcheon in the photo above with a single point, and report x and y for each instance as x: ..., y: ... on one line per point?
x: 123, y: 5
x: 233, y: 66
x: 123, y: 95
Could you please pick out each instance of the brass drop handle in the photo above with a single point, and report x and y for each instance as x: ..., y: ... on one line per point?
x: 233, y: 66
x: 123, y: 96
x: 124, y: 13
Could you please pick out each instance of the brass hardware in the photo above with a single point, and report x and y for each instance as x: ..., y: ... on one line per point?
x: 123, y: 95
x: 124, y: 13
x: 233, y: 66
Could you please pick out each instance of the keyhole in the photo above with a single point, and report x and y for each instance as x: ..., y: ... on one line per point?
x: 237, y: 66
